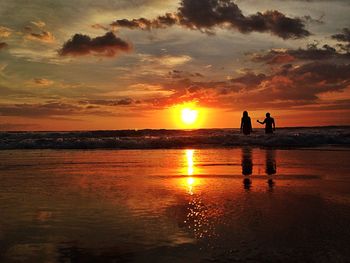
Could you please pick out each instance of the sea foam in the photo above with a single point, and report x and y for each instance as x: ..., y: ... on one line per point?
x: 167, y: 139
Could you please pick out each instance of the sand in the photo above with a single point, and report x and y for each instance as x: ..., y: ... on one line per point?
x: 208, y: 205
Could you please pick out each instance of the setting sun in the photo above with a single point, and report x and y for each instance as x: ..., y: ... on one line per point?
x: 189, y: 116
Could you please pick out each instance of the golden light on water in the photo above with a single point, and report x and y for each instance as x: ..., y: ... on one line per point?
x: 191, y: 181
x: 190, y: 165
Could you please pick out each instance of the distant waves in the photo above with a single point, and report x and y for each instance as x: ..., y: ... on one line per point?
x: 169, y: 139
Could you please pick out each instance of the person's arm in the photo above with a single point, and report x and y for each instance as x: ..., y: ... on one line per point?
x: 261, y: 122
x: 273, y: 123
x: 250, y: 125
x: 241, y: 125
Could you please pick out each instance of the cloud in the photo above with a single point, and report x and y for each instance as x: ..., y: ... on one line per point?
x: 39, y: 110
x: 180, y: 74
x: 207, y: 15
x: 3, y: 45
x: 318, y: 21
x: 117, y: 102
x: 167, y: 60
x: 299, y: 84
x: 344, y: 36
x: 39, y: 23
x: 248, y: 80
x: 68, y: 110
x: 43, y: 36
x: 289, y: 86
x: 42, y: 81
x: 311, y: 52
x: 108, y: 45
x: 5, y: 31
x: 52, y: 109
x: 99, y: 26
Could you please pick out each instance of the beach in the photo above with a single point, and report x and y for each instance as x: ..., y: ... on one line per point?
x: 238, y: 204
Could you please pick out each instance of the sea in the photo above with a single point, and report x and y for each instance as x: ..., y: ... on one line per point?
x: 168, y: 139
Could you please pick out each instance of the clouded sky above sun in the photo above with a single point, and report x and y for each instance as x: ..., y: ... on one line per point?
x: 121, y: 64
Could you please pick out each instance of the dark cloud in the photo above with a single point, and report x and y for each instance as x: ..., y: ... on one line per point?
x: 248, y: 80
x: 180, y: 74
x: 206, y: 15
x: 310, y: 19
x: 107, y: 45
x: 38, y: 110
x: 298, y: 85
x: 99, y: 26
x: 118, y: 102
x: 3, y: 45
x: 53, y: 110
x: 287, y: 87
x: 168, y: 19
x: 344, y: 36
x: 312, y: 52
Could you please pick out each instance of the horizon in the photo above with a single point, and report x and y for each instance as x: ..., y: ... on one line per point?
x: 181, y: 129
x: 125, y: 65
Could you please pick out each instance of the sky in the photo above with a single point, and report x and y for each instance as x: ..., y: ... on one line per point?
x: 127, y: 64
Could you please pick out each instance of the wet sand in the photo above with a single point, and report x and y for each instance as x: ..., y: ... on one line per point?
x: 209, y: 205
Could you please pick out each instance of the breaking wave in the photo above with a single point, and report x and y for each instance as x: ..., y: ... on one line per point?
x: 167, y: 139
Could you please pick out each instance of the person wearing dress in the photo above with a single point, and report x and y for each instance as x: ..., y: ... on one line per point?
x: 246, y: 124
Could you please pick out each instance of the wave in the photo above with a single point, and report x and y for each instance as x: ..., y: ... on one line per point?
x: 168, y: 139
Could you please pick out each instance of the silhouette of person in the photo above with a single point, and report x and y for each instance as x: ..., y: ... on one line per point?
x: 247, y: 167
x: 269, y: 123
x: 246, y: 124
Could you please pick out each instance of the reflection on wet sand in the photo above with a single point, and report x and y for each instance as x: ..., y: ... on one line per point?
x: 247, y: 167
x: 196, y: 213
x: 190, y: 170
x: 175, y: 206
x: 270, y: 167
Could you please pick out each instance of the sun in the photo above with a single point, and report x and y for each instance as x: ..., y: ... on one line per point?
x: 189, y: 116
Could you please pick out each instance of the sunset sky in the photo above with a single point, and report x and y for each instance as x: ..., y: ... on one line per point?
x: 127, y: 64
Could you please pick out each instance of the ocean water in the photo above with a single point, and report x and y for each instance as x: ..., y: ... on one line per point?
x: 168, y: 139
x: 242, y: 204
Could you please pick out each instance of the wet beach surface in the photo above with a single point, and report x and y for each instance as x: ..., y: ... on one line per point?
x: 208, y: 205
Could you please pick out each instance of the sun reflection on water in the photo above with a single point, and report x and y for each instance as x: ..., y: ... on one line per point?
x: 196, y: 217
x: 191, y: 170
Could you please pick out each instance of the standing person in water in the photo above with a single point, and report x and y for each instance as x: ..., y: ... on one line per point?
x: 269, y: 124
x: 246, y: 124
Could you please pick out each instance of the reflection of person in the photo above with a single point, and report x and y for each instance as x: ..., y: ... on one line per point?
x: 247, y: 183
x: 247, y: 167
x: 247, y: 163
x: 269, y: 123
x: 246, y: 124
x: 270, y: 167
